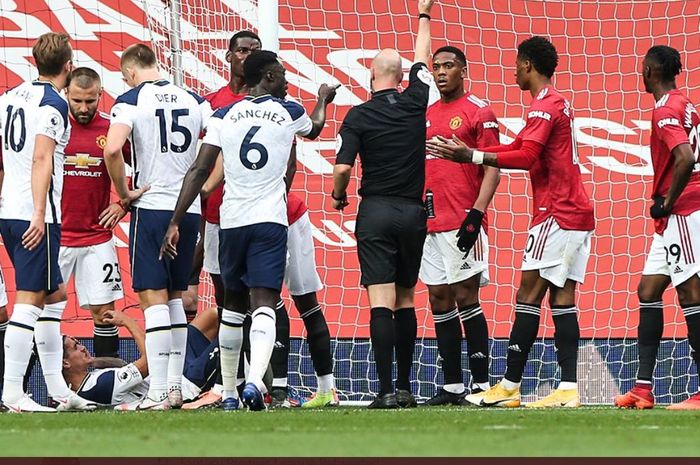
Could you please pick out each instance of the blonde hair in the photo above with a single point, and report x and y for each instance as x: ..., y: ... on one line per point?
x: 51, y: 52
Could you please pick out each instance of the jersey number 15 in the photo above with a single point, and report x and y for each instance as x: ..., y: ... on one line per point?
x: 174, y: 127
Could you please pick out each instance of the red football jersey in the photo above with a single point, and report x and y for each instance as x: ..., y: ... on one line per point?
x: 675, y: 121
x: 455, y: 186
x: 218, y: 99
x: 295, y: 206
x: 86, y: 184
x: 557, y: 187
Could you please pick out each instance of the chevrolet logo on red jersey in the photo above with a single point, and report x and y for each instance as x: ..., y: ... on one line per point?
x: 82, y: 160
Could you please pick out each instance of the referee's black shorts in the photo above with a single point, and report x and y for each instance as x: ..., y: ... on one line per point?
x: 390, y: 233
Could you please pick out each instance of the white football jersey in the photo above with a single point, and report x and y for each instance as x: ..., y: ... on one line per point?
x: 31, y: 109
x: 165, y: 122
x: 256, y: 136
x: 111, y: 386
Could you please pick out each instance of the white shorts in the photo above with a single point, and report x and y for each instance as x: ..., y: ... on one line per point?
x: 558, y: 254
x: 96, y: 270
x: 3, y: 290
x: 300, y: 276
x: 444, y: 263
x: 673, y: 252
x: 211, y: 248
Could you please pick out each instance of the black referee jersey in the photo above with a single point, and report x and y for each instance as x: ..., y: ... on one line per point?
x: 388, y: 132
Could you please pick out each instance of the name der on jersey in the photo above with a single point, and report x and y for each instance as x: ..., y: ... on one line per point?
x: 539, y: 114
x: 257, y: 113
x: 166, y: 98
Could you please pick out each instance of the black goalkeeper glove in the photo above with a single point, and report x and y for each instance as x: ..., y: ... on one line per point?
x: 657, y: 210
x: 469, y: 231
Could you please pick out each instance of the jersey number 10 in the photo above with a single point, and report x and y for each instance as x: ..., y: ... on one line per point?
x: 10, y: 134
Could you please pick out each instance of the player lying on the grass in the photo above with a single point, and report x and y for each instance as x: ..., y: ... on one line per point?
x: 675, y: 147
x: 558, y: 244
x: 163, y: 122
x: 255, y: 137
x: 112, y: 381
x: 455, y: 256
x: 87, y: 250
x: 34, y: 116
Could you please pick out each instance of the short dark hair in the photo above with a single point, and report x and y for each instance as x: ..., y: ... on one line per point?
x: 51, y: 52
x: 541, y: 53
x: 255, y: 66
x: 668, y: 59
x: 84, y: 77
x: 457, y: 53
x: 241, y: 35
x: 140, y: 54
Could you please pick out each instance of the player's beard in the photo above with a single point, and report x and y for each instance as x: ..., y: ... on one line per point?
x: 84, y: 118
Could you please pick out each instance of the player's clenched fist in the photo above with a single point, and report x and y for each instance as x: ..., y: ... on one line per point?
x: 424, y: 6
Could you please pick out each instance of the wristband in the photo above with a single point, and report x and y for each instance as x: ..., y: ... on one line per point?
x: 478, y: 157
x: 424, y: 15
x: 121, y: 205
x: 341, y: 198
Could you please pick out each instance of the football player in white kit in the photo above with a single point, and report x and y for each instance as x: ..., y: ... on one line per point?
x: 254, y: 136
x: 35, y: 131
x: 163, y: 123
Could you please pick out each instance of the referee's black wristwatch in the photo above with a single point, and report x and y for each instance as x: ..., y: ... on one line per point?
x: 339, y: 199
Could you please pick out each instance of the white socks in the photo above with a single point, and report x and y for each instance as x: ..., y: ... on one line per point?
x: 158, y: 342
x: 326, y: 383
x: 49, y: 344
x: 566, y: 385
x: 178, y: 343
x: 230, y: 343
x: 262, y: 342
x: 19, y: 340
x: 510, y: 385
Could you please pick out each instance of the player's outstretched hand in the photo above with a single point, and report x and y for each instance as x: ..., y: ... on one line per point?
x: 112, y: 215
x: 424, y: 6
x: 34, y: 234
x: 454, y: 150
x: 114, y: 317
x: 327, y: 93
x: 169, y: 246
x: 469, y: 231
x: 134, y: 195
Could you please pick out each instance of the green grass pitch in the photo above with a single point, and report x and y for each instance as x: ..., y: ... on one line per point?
x: 346, y: 431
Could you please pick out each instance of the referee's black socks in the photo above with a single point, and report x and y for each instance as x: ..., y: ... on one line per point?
x: 381, y: 332
x: 406, y: 327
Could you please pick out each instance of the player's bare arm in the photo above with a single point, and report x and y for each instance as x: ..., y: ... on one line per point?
x: 42, y: 169
x: 291, y: 168
x: 326, y: 94
x: 422, y: 52
x: 216, y: 177
x: 683, y: 164
x: 341, y: 179
x: 114, y: 160
x: 122, y: 320
x: 195, y: 178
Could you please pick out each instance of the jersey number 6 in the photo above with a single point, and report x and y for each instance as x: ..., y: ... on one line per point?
x: 249, y: 145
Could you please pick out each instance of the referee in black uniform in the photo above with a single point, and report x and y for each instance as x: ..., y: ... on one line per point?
x: 389, y: 134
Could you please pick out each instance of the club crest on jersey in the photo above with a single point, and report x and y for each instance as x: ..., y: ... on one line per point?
x: 455, y: 122
x: 101, y: 141
x: 82, y: 160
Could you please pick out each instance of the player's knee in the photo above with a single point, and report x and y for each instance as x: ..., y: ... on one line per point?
x: 647, y: 293
x: 467, y: 292
x: 441, y: 301
x: 3, y: 314
x: 98, y: 311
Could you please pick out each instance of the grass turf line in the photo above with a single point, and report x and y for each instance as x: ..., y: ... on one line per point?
x: 354, y: 432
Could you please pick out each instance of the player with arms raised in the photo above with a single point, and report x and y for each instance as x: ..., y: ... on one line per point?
x: 87, y: 250
x: 163, y: 122
x: 255, y: 137
x: 558, y: 243
x: 455, y: 255
x: 35, y: 130
x: 675, y: 147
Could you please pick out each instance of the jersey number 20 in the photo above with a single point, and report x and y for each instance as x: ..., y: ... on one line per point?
x: 174, y: 127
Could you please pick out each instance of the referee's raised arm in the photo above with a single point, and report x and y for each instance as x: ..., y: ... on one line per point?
x: 388, y: 132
